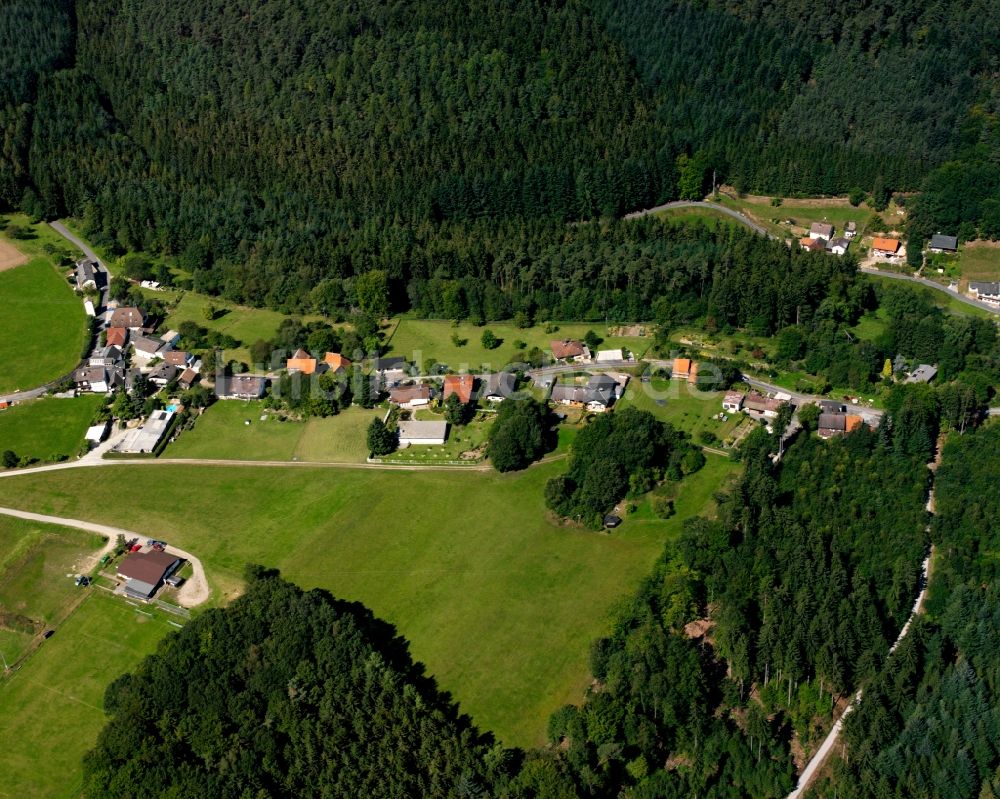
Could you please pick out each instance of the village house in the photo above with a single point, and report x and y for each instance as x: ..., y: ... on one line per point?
x: 242, y: 387
x: 128, y: 317
x: 838, y: 246
x: 985, y: 292
x: 569, y: 350
x: 941, y: 243
x: 171, y: 338
x: 820, y: 230
x: 837, y: 424
x: 97, y: 379
x: 86, y: 275
x: 423, y: 433
x: 106, y: 356
x: 117, y: 337
x: 178, y: 358
x: 682, y: 368
x: 733, y: 402
x: 598, y: 395
x: 187, y: 379
x: 336, y: 363
x: 850, y: 230
x: 413, y: 396
x: 459, y: 385
x: 497, y: 387
x: 761, y: 407
x: 813, y: 245
x: 146, y: 349
x: 885, y: 247
x: 162, y: 374
x: 924, y: 373
x: 391, y: 371
x: 301, y: 362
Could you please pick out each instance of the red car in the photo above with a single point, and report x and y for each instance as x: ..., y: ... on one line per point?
x: 135, y: 548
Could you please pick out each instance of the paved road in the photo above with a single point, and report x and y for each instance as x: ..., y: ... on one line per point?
x: 858, y: 410
x: 931, y: 285
x: 194, y: 591
x: 743, y: 219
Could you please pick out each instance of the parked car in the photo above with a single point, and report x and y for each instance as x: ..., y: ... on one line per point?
x: 175, y: 580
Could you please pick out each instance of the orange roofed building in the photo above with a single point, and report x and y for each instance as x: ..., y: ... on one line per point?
x: 881, y: 246
x: 302, y: 362
x: 336, y: 361
x: 683, y: 369
x: 460, y: 385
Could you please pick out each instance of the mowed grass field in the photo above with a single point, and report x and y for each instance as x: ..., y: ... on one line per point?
x: 42, y: 325
x: 47, y: 427
x: 51, y: 708
x: 498, y: 602
x: 35, y: 560
x: 834, y: 210
x: 420, y: 340
x: 221, y: 432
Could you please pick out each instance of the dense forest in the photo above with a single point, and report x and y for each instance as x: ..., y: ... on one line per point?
x: 282, y: 151
x: 929, y: 725
x: 284, y: 693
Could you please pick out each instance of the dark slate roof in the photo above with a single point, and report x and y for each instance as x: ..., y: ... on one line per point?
x: 385, y: 364
x: 833, y: 421
x: 939, y: 242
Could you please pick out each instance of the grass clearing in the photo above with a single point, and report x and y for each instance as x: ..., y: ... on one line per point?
x: 445, y: 556
x: 420, y: 340
x: 708, y: 216
x: 980, y: 260
x: 221, y: 432
x: 48, y: 427
x: 51, y: 709
x: 43, y: 322
x: 35, y: 560
x: 683, y: 406
x: 834, y: 210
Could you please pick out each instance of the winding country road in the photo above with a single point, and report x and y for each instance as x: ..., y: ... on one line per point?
x: 194, y: 591
x: 743, y: 219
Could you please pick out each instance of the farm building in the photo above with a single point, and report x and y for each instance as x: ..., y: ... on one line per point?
x: 413, y: 432
x: 146, y: 571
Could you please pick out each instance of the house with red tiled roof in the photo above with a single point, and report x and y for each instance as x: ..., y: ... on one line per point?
x: 301, y: 361
x: 336, y: 362
x: 460, y: 385
x: 117, y: 337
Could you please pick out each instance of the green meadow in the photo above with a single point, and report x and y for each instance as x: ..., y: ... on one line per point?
x: 445, y: 556
x: 47, y: 428
x: 43, y: 324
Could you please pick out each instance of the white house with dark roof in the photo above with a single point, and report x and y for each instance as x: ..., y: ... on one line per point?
x: 941, y: 243
x: 820, y: 230
x: 985, y: 292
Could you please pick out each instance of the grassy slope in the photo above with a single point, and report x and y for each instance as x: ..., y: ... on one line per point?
x: 43, y: 325
x: 684, y: 407
x: 51, y: 709
x: 47, y: 427
x: 423, y: 339
x: 446, y: 557
x: 980, y: 261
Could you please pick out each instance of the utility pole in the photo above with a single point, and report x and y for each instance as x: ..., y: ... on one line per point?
x: 6, y: 668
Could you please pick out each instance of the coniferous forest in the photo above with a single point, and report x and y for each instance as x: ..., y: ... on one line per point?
x: 275, y: 147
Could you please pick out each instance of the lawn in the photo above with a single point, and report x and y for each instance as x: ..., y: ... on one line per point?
x: 48, y: 427
x: 708, y: 216
x: 980, y: 260
x: 51, y: 709
x: 498, y: 602
x: 683, y: 405
x: 43, y: 323
x: 222, y: 432
x: 420, y: 340
x: 465, y: 438
x: 35, y: 561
